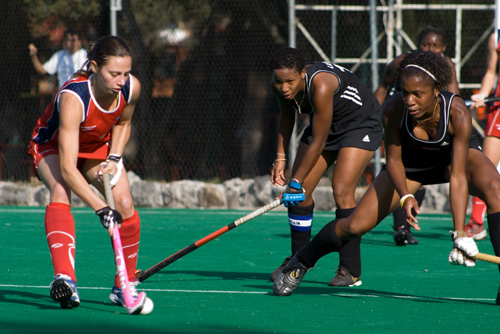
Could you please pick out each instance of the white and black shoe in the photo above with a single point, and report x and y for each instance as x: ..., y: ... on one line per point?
x: 63, y: 290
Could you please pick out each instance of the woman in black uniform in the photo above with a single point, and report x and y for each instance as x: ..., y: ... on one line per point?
x: 345, y: 128
x: 428, y: 140
x: 431, y: 38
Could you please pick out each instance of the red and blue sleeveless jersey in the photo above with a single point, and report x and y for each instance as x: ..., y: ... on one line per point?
x: 97, y: 123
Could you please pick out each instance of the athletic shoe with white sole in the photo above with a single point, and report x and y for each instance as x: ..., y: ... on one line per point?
x: 63, y: 290
x: 475, y: 230
x: 290, y: 277
x: 344, y: 279
x: 116, y: 295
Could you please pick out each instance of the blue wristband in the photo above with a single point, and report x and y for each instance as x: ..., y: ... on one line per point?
x: 295, y: 184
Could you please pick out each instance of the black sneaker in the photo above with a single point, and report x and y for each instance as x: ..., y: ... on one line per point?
x: 290, y: 277
x: 280, y: 268
x: 498, y: 297
x: 403, y: 237
x: 344, y: 278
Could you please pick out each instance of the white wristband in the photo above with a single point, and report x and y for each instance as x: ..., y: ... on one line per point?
x: 403, y: 199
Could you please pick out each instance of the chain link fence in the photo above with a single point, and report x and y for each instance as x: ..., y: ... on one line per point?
x: 206, y: 111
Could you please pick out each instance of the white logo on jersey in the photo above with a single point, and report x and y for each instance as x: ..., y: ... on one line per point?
x: 351, y: 93
x: 366, y: 139
x: 444, y: 144
x: 88, y: 128
x: 331, y: 65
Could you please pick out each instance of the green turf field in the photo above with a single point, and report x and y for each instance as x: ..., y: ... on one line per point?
x: 224, y: 287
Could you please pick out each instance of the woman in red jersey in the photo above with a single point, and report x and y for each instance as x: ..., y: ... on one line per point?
x: 81, y: 136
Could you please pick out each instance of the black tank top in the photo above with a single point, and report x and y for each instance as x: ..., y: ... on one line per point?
x: 351, y: 101
x: 420, y: 154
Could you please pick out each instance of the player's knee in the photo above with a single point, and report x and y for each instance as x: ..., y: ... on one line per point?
x: 344, y: 196
x: 355, y: 230
x: 125, y: 205
x: 59, y: 193
x: 493, y: 192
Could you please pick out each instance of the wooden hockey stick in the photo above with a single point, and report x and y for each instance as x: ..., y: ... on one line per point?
x: 487, y: 258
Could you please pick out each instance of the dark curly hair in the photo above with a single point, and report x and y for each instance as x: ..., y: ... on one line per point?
x: 290, y: 58
x: 435, y: 64
x: 432, y: 29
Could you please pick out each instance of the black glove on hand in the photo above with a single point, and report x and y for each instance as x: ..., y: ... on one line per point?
x: 109, y: 217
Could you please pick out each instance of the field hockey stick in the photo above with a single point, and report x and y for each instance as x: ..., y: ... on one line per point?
x: 133, y: 306
x: 183, y: 252
x: 468, y: 103
x: 487, y: 258
x: 478, y: 127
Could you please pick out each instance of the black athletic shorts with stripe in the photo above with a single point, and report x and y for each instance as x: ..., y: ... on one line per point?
x: 365, y: 133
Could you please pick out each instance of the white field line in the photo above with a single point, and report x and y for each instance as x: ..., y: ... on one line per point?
x: 445, y: 217
x: 398, y: 296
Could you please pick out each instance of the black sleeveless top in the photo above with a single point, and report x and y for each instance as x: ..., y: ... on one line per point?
x: 418, y: 153
x: 351, y: 101
x: 425, y: 161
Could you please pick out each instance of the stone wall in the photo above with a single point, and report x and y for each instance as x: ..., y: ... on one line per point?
x: 242, y: 194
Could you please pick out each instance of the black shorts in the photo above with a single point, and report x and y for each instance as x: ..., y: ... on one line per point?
x: 431, y: 175
x: 361, y: 133
x: 434, y: 174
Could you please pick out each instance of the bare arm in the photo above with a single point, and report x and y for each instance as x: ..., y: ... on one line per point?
x: 391, y: 118
x: 489, y: 77
x: 323, y: 88
x: 121, y: 131
x: 34, y: 59
x: 453, y: 86
x: 460, y: 127
x: 69, y: 126
x: 285, y: 128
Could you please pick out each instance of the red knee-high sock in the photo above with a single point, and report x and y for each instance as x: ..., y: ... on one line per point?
x: 130, y: 233
x: 478, y: 210
x: 60, y: 232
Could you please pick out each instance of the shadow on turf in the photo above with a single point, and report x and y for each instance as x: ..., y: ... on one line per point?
x: 28, y: 298
x: 44, y: 302
x: 389, y: 237
x: 360, y: 293
x: 225, y: 275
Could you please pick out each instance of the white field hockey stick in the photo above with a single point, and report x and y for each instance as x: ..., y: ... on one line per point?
x: 174, y: 257
x: 133, y: 306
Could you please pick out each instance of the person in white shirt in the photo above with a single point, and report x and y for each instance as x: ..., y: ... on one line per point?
x: 64, y: 62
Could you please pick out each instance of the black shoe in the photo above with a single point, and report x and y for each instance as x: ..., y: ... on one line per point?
x: 403, y: 237
x: 290, y: 277
x: 277, y: 270
x: 498, y: 297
